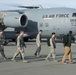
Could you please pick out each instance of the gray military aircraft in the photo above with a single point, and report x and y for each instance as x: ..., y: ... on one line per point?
x: 32, y: 19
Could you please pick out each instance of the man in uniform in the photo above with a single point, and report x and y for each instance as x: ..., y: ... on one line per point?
x: 2, y: 39
x: 20, y: 47
x: 38, y: 42
x: 52, y: 48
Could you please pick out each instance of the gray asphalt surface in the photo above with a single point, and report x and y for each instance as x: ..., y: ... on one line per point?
x: 37, y: 65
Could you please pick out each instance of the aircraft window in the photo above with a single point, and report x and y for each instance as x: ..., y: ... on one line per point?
x: 41, y: 25
x: 74, y: 15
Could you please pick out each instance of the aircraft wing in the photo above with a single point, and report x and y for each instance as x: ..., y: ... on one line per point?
x: 12, y: 15
x: 15, y: 7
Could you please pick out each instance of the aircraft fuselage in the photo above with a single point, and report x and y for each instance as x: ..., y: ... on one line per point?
x: 58, y: 20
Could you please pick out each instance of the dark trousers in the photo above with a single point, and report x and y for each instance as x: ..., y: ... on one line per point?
x: 2, y: 51
x: 38, y: 50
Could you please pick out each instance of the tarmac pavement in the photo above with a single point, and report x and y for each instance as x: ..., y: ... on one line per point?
x: 37, y: 65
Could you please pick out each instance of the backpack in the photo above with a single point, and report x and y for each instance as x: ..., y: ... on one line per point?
x: 65, y: 39
x: 48, y: 42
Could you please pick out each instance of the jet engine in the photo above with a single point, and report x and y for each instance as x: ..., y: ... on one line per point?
x: 15, y: 20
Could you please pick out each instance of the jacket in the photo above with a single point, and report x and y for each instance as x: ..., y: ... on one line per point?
x: 69, y: 36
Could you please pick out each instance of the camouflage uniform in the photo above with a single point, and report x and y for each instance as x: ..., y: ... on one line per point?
x: 20, y: 48
x: 38, y: 42
x: 2, y: 38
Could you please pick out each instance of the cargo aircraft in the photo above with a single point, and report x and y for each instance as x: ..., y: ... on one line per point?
x: 31, y: 19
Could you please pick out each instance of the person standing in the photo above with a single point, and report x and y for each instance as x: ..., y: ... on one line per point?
x: 52, y: 48
x: 67, y: 47
x: 2, y: 39
x: 20, y: 47
x: 38, y: 42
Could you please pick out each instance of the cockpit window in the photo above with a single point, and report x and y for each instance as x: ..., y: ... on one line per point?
x: 74, y: 15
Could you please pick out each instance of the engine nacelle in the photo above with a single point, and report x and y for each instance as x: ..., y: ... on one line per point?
x: 17, y: 20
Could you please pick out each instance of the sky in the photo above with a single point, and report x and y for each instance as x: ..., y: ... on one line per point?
x: 43, y: 3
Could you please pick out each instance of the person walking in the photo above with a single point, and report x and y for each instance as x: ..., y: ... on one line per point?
x: 2, y: 39
x: 52, y: 46
x: 38, y: 42
x: 20, y: 47
x: 67, y: 46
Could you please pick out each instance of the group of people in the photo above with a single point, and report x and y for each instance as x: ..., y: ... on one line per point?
x: 52, y: 46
